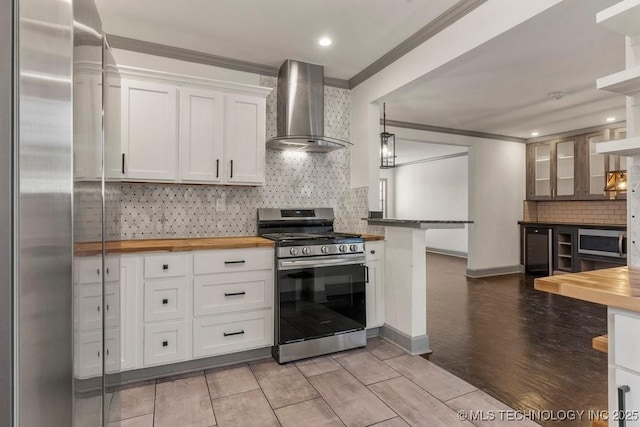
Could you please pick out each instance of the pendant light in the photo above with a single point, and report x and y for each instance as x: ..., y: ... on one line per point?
x: 387, y: 144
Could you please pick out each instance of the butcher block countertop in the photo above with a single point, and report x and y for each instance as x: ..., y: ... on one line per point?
x: 616, y: 287
x: 176, y: 245
x: 173, y: 245
x: 371, y: 237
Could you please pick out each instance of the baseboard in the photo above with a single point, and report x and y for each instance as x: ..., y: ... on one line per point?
x: 497, y: 271
x: 89, y: 386
x: 457, y: 254
x: 373, y: 332
x: 413, y: 345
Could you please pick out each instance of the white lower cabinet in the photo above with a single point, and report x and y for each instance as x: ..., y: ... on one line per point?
x: 225, y: 292
x: 163, y: 308
x: 624, y: 367
x: 165, y: 343
x: 165, y: 299
x: 229, y: 333
x: 375, y: 283
x: 88, y: 312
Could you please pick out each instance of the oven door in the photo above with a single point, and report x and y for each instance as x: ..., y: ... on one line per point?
x: 317, y: 300
x: 610, y: 243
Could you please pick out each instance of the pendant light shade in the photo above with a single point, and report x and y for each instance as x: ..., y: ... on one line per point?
x: 387, y: 144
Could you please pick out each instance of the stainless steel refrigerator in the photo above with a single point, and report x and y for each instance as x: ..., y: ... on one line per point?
x: 43, y: 45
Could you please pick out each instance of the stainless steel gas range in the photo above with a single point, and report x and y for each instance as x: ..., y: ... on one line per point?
x: 320, y: 304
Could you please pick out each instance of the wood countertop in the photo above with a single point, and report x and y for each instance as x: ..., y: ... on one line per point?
x: 371, y: 237
x: 616, y: 287
x: 177, y: 245
x: 173, y: 245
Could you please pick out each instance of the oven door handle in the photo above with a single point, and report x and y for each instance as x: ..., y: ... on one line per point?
x: 620, y: 240
x: 291, y: 265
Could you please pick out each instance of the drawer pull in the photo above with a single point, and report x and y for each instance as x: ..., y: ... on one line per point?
x: 165, y: 343
x: 165, y: 266
x: 165, y: 301
x: 622, y: 407
x: 228, y: 334
x: 234, y: 262
x: 233, y: 294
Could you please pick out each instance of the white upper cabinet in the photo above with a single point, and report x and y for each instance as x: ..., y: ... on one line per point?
x: 191, y: 130
x: 149, y: 131
x: 201, y: 136
x: 245, y: 139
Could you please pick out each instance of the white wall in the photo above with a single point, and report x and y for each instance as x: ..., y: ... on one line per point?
x: 435, y: 190
x: 496, y: 188
x: 389, y: 175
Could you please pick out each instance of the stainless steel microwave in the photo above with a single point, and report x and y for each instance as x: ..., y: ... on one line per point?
x: 609, y: 243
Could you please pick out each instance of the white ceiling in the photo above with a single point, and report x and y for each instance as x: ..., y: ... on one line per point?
x: 501, y: 87
x: 268, y: 32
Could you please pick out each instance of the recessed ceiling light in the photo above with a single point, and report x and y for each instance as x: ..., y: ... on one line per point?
x: 535, y: 133
x: 324, y: 41
x: 611, y: 119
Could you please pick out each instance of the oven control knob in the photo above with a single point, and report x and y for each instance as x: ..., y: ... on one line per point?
x: 353, y: 248
x: 324, y: 249
x: 306, y: 251
x: 343, y: 248
x: 293, y: 251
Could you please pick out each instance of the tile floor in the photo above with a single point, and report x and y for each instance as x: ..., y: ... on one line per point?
x: 379, y: 385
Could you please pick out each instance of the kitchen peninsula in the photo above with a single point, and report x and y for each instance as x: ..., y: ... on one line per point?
x: 406, y: 279
x: 618, y: 289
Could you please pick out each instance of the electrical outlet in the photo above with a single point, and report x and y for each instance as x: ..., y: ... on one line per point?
x: 221, y: 204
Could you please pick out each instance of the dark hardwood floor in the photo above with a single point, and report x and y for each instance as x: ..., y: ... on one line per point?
x: 529, y: 349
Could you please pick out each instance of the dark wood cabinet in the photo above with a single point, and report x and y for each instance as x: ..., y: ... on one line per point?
x: 570, y: 168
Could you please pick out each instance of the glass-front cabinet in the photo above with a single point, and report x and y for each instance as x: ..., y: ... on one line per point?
x: 552, y: 170
x: 571, y: 168
x: 599, y: 164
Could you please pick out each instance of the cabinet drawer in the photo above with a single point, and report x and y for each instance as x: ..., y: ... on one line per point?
x: 228, y: 333
x: 631, y: 398
x: 230, y: 260
x: 374, y: 250
x: 87, y: 359
x: 165, y: 299
x: 627, y: 341
x: 89, y: 269
x: 88, y: 306
x: 165, y: 266
x: 88, y: 353
x: 222, y: 293
x: 165, y: 343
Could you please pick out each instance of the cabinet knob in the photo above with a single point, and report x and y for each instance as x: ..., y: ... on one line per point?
x: 107, y: 307
x: 165, y: 343
x: 98, y: 271
x: 165, y: 266
x: 372, y: 251
x: 165, y: 301
x: 107, y: 271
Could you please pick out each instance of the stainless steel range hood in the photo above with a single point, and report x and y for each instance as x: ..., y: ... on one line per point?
x: 300, y: 110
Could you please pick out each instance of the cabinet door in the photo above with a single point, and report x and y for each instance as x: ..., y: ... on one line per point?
x: 201, y: 136
x: 149, y: 131
x: 87, y: 127
x: 631, y: 397
x: 112, y: 125
x: 131, y: 288
x: 565, y: 176
x: 245, y: 139
x: 375, y: 284
x: 541, y: 170
x: 598, y: 164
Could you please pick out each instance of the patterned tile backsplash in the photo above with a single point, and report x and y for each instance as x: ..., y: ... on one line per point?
x: 144, y: 211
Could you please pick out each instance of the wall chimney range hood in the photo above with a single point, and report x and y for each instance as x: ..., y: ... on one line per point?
x: 300, y: 120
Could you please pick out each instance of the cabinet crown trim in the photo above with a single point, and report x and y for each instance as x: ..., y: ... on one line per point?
x: 186, y: 80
